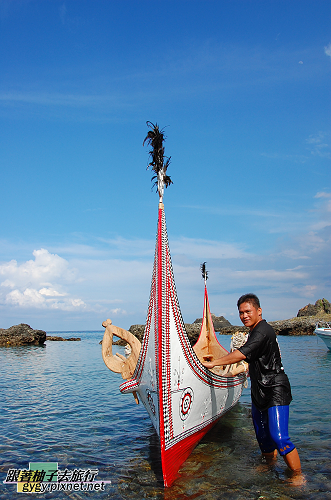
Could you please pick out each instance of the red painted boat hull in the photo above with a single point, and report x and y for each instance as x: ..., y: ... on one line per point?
x: 173, y: 458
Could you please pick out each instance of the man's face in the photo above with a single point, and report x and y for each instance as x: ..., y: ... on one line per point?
x: 249, y: 315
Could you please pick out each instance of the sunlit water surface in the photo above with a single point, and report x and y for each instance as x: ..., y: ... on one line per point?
x: 60, y: 403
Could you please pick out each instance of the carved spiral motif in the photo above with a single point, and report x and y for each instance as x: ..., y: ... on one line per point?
x: 185, y: 404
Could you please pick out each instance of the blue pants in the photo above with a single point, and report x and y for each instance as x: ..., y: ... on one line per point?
x: 271, y: 429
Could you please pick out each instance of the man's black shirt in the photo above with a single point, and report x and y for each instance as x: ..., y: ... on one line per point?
x: 269, y: 383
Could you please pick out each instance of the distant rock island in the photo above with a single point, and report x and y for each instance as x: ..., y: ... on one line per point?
x: 218, y: 321
x: 321, y: 307
x: 21, y: 334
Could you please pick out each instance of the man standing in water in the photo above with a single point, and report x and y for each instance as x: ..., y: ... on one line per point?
x: 270, y: 387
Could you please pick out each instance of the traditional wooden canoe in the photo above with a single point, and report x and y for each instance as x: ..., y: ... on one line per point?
x: 182, y: 397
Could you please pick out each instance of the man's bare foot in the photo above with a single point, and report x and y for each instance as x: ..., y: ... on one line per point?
x: 268, y: 460
x: 271, y: 457
x: 296, y: 478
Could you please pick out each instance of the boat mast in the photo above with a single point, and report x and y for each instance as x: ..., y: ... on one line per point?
x: 159, y: 164
x: 204, y: 273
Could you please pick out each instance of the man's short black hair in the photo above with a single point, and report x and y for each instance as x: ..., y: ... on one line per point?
x: 250, y: 298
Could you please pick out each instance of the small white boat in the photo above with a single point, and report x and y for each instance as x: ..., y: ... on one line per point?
x: 324, y: 334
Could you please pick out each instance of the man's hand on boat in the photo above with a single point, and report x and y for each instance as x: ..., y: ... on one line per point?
x: 229, y: 359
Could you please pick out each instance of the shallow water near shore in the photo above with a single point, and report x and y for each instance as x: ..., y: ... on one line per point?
x: 61, y: 404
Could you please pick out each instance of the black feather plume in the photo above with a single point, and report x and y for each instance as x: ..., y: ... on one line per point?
x: 204, y: 271
x: 158, y: 161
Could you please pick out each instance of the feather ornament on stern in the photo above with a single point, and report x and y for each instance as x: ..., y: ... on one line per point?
x: 159, y: 163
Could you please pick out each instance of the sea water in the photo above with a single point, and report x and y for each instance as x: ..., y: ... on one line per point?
x: 59, y: 403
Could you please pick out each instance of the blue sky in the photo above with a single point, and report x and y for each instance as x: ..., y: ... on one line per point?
x: 243, y: 91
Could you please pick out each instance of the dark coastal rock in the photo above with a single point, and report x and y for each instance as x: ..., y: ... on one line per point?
x: 303, y: 325
x: 294, y: 326
x: 321, y: 306
x: 218, y: 321
x: 137, y: 331
x: 230, y: 330
x: 61, y: 339
x: 193, y: 332
x: 21, y: 334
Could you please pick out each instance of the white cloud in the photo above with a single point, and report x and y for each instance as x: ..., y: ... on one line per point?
x: 115, y: 282
x: 319, y: 144
x: 327, y: 50
x: 118, y: 311
x: 232, y: 210
x: 106, y: 93
x: 28, y: 298
x: 270, y: 275
x: 194, y: 248
x: 8, y: 283
x: 323, y: 194
x: 44, y: 268
x: 305, y: 290
x: 31, y: 298
x: 39, y: 283
x: 191, y: 247
x: 50, y: 292
x: 323, y: 210
x: 63, y: 13
x: 126, y: 247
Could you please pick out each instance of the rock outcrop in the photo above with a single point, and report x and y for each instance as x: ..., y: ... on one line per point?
x: 21, y: 334
x: 303, y: 324
x: 322, y: 306
x: 230, y: 330
x: 137, y: 331
x: 61, y: 339
x: 296, y: 326
x: 218, y: 321
x: 192, y: 330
